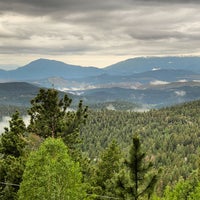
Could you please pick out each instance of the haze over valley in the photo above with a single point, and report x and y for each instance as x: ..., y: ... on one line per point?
x: 149, y: 82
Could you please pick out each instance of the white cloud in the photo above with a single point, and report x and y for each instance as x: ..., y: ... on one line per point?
x: 158, y: 82
x: 180, y: 93
x: 156, y: 68
x: 182, y: 81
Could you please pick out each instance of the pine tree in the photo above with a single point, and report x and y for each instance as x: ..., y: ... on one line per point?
x: 12, y: 162
x: 12, y: 141
x: 47, y: 112
x: 71, y: 125
x: 107, y: 166
x: 139, y: 181
x: 50, y: 118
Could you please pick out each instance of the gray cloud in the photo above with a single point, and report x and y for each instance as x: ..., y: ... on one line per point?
x: 52, y: 7
x: 91, y: 27
x: 46, y: 7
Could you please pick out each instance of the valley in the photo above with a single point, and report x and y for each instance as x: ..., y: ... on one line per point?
x: 152, y: 82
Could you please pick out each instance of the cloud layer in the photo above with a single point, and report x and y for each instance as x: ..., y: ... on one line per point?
x: 91, y: 28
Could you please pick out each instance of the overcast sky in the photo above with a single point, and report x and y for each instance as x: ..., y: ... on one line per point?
x: 97, y: 33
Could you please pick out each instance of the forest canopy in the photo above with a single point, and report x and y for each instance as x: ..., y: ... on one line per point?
x: 169, y: 138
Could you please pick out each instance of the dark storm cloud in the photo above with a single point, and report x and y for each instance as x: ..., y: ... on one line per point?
x: 85, y: 3
x: 45, y: 7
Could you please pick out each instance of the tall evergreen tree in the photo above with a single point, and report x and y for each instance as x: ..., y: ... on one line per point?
x: 139, y: 181
x: 72, y: 122
x: 106, y: 168
x: 50, y: 118
x: 12, y: 141
x: 47, y: 112
x: 12, y: 162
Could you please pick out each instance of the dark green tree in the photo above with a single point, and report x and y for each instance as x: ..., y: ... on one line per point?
x: 12, y: 141
x: 47, y: 112
x: 72, y: 122
x: 107, y: 166
x: 140, y: 181
x: 50, y: 118
x: 12, y: 161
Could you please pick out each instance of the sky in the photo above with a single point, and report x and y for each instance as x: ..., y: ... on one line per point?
x: 96, y: 33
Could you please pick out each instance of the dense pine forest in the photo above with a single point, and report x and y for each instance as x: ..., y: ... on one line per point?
x: 99, y: 154
x: 169, y: 136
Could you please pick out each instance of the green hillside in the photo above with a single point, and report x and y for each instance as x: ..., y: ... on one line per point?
x: 17, y: 93
x: 170, y: 136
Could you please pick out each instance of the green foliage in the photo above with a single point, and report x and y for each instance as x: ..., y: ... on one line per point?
x: 12, y: 162
x: 170, y: 135
x: 195, y: 194
x: 72, y: 122
x: 11, y: 171
x: 107, y: 166
x: 12, y: 141
x: 183, y: 189
x: 50, y: 118
x: 139, y: 182
x: 50, y: 173
x: 114, y: 105
x: 46, y: 113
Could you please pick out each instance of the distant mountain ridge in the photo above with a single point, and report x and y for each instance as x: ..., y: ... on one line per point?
x: 44, y: 68
x: 142, y: 64
x: 153, y: 80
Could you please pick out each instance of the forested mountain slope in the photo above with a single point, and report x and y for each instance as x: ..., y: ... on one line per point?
x: 20, y: 94
x: 142, y: 64
x: 17, y: 93
x: 171, y: 136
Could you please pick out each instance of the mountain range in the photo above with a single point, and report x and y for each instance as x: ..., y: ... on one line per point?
x: 151, y: 81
